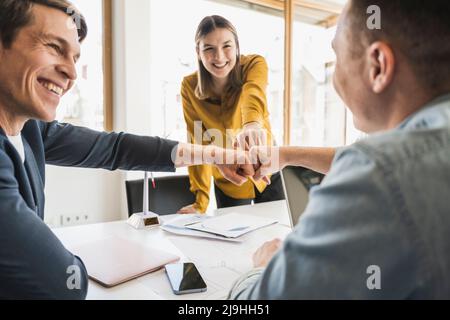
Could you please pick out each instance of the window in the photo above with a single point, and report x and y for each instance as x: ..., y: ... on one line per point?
x: 86, y: 104
x: 318, y: 115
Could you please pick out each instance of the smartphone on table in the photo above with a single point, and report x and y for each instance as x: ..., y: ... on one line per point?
x: 185, y: 278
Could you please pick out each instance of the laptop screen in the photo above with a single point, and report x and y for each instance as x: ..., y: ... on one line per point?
x: 297, y: 182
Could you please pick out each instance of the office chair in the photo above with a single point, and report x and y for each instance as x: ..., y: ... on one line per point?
x: 171, y: 194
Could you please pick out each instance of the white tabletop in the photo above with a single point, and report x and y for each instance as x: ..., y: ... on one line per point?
x: 219, y: 262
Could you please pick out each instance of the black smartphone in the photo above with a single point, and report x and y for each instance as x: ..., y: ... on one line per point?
x: 185, y: 278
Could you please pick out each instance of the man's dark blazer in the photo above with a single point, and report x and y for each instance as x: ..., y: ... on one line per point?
x: 33, y: 262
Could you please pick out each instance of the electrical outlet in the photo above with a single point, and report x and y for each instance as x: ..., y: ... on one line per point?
x: 75, y: 219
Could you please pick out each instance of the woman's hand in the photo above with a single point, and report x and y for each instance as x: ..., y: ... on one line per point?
x: 188, y: 209
x: 253, y: 134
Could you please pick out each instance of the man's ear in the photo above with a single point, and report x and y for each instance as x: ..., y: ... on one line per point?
x: 381, y: 66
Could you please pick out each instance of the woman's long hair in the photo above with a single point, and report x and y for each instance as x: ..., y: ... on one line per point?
x: 206, y: 26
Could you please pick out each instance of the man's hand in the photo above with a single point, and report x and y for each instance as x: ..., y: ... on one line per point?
x: 252, y: 134
x: 267, y: 160
x: 264, y: 254
x: 238, y: 174
x: 187, y: 209
x: 236, y: 167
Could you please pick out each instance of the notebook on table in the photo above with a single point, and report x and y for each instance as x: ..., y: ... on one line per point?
x: 113, y: 261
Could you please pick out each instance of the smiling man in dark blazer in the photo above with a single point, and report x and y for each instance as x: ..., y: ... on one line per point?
x: 39, y: 47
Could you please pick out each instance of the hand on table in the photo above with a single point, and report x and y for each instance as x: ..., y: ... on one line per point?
x: 264, y: 254
x: 188, y: 209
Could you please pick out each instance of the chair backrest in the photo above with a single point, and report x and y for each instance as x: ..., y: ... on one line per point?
x: 171, y: 194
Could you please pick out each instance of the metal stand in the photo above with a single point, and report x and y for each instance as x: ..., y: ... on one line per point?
x: 145, y: 218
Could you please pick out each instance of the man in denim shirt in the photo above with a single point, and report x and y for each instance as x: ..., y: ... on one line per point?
x: 379, y: 225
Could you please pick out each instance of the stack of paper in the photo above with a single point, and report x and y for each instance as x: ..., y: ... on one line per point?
x: 179, y: 225
x: 225, y: 227
x: 232, y: 225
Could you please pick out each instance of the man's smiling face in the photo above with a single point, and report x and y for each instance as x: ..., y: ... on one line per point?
x: 39, y: 66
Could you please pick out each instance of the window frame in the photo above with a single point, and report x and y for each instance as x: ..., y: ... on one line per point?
x: 108, y: 120
x: 289, y: 8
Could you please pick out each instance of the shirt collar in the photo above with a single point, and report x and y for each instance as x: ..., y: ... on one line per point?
x: 427, y: 115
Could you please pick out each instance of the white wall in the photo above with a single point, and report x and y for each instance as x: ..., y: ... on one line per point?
x: 73, y: 192
x: 132, y: 69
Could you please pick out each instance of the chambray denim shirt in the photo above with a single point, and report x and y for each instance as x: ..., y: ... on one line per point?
x: 379, y: 225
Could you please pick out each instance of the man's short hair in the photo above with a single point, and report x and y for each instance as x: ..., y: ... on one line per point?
x: 420, y: 29
x: 17, y: 14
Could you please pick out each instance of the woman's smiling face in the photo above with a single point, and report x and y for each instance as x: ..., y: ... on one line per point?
x: 218, y: 53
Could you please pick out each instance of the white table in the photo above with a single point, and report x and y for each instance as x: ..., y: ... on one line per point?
x: 219, y: 262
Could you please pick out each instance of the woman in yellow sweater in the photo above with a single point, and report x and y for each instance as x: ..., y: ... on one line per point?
x: 224, y: 104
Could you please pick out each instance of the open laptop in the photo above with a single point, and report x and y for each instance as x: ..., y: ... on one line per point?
x: 297, y: 182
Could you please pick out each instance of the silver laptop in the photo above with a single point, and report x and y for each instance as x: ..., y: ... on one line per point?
x: 297, y: 182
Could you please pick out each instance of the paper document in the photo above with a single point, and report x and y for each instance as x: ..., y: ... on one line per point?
x: 179, y: 226
x: 232, y: 225
x: 199, y: 234
x: 183, y: 220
